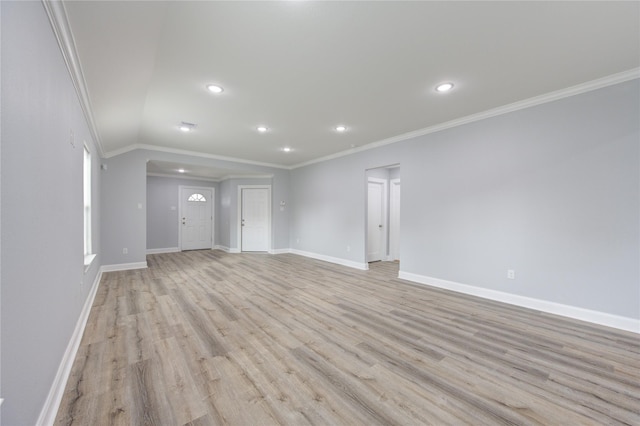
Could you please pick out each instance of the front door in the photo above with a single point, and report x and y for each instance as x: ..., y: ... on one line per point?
x: 255, y: 219
x: 196, y: 218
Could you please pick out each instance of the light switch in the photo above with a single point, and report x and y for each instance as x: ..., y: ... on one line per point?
x: 140, y: 206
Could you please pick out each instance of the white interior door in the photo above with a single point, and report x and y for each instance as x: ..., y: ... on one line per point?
x: 196, y: 218
x: 255, y: 219
x: 394, y: 220
x: 376, y: 219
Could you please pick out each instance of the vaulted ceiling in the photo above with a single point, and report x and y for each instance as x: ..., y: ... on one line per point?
x: 301, y: 68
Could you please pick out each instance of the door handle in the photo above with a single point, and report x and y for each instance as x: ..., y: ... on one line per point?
x: 379, y: 226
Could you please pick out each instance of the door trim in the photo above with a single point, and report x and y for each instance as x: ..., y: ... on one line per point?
x: 239, y: 217
x: 213, y: 212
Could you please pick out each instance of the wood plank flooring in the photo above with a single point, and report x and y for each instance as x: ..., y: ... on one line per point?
x: 209, y: 338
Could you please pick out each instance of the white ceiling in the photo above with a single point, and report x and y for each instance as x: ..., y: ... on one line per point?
x: 301, y: 68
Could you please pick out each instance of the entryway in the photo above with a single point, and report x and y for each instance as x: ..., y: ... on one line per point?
x: 196, y: 217
x: 376, y: 219
x: 383, y: 214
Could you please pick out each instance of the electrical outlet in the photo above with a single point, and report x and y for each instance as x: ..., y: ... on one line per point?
x: 511, y: 274
x: 125, y: 250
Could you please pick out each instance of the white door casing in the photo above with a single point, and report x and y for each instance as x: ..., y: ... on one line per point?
x: 196, y: 217
x: 394, y: 220
x: 254, y: 230
x: 376, y: 219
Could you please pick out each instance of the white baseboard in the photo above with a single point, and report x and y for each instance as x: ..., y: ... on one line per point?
x: 596, y: 317
x: 163, y: 250
x: 280, y: 251
x: 337, y: 260
x: 52, y: 403
x: 123, y: 266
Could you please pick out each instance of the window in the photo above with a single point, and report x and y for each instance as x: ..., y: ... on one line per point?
x: 86, y: 186
x: 197, y: 197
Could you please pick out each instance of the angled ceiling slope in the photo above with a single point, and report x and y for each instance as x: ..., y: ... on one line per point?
x: 302, y: 68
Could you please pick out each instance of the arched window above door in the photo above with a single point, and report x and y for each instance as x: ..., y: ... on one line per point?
x: 197, y: 197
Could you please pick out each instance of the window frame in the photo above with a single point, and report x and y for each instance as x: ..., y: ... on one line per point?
x: 87, y: 195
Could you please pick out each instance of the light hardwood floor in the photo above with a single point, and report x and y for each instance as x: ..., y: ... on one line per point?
x: 207, y: 338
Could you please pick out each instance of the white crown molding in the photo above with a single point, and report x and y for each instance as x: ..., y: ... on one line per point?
x: 526, y: 103
x: 60, y: 24
x: 121, y: 151
x: 216, y: 180
x: 191, y: 154
x: 227, y: 177
x: 184, y: 177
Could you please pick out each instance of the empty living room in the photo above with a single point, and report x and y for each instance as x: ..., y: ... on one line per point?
x: 319, y: 213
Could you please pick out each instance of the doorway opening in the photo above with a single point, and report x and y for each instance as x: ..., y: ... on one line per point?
x: 383, y: 214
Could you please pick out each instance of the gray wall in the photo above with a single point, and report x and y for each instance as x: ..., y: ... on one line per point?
x: 162, y: 221
x: 224, y: 223
x: 551, y: 191
x: 394, y: 173
x: 44, y: 286
x: 380, y: 173
x: 1, y: 218
x: 328, y: 203
x: 124, y: 209
x: 124, y: 188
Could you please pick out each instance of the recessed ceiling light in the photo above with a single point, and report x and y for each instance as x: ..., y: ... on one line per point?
x: 186, y: 127
x: 181, y: 170
x: 341, y: 128
x: 262, y: 129
x: 214, y: 88
x: 444, y: 87
x: 286, y: 149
